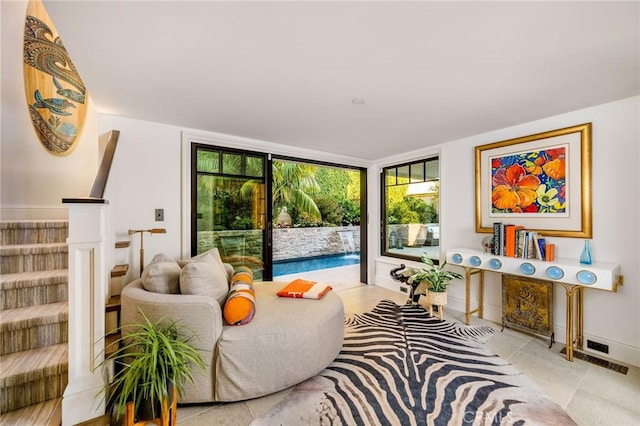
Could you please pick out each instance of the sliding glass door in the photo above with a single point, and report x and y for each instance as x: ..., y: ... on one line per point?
x: 317, y: 227
x: 257, y: 211
x: 229, y: 190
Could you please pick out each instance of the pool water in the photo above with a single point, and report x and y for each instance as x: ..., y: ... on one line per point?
x: 294, y: 266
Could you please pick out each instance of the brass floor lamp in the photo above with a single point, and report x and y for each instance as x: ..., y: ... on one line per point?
x: 141, y: 232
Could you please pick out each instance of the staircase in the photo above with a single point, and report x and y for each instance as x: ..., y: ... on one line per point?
x: 33, y: 321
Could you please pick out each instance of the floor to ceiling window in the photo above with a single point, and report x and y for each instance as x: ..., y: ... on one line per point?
x: 410, y: 210
x: 229, y: 205
x: 257, y: 210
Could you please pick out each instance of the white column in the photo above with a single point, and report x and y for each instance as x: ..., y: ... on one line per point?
x: 88, y: 288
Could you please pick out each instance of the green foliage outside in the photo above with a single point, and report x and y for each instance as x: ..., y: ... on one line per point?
x: 313, y: 195
x: 330, y: 209
x: 350, y: 211
x: 294, y: 185
x: 336, y: 196
x: 404, y: 209
x: 411, y: 210
x: 223, y: 204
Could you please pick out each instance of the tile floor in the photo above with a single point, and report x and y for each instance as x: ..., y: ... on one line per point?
x: 592, y: 395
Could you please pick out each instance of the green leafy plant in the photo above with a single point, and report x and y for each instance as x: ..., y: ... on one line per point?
x: 330, y: 210
x: 305, y: 220
x: 351, y: 212
x: 437, y: 277
x: 152, y: 357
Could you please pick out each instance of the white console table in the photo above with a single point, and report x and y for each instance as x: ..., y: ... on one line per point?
x: 568, y: 273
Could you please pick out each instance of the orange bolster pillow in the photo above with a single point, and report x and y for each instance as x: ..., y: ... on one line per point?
x: 240, y: 307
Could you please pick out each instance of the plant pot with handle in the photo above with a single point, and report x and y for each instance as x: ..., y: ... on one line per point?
x: 436, y: 279
x: 438, y: 298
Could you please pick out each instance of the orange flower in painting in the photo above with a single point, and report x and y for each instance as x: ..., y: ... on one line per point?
x: 532, y: 167
x: 514, y: 188
x: 555, y: 169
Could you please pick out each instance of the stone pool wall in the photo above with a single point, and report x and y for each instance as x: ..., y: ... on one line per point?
x: 293, y: 243
x: 288, y: 243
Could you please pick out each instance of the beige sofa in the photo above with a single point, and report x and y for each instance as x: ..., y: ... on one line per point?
x: 288, y: 340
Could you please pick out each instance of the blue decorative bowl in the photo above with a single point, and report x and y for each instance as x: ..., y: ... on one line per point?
x: 495, y: 263
x: 555, y: 273
x: 475, y: 261
x: 586, y: 277
x: 456, y: 258
x: 527, y: 268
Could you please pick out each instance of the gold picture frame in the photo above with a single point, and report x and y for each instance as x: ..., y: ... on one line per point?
x: 540, y: 181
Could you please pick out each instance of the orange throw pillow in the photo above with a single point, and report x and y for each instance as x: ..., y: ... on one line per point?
x: 303, y: 289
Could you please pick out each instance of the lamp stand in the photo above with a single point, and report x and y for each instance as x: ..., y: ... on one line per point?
x: 141, y: 232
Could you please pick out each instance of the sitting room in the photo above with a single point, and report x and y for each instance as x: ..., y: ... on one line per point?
x: 143, y: 150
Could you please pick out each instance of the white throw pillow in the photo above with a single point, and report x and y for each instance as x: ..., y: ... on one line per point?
x: 206, y: 277
x: 214, y: 253
x: 161, y: 275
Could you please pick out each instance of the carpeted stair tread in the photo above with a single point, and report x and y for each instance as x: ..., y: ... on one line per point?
x: 46, y: 413
x: 33, y: 327
x: 33, y: 257
x: 40, y: 248
x: 21, y: 289
x: 34, y: 223
x: 23, y: 367
x: 33, y: 316
x: 33, y: 279
x: 33, y: 231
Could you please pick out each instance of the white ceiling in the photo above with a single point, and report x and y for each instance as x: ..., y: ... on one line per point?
x: 287, y: 72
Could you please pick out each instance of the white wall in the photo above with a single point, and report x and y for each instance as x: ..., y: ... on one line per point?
x: 611, y: 318
x: 145, y: 175
x: 33, y: 181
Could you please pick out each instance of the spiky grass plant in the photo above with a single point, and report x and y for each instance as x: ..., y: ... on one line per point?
x: 150, y: 357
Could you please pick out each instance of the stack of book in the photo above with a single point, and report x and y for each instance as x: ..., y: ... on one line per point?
x: 516, y: 241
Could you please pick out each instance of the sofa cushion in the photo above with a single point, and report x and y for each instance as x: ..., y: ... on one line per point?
x: 204, y: 277
x: 161, y: 275
x: 214, y: 253
x: 240, y: 307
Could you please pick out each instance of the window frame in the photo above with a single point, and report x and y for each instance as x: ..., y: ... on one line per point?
x: 384, y: 234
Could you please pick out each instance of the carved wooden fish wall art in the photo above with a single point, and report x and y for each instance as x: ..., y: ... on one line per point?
x: 56, y: 95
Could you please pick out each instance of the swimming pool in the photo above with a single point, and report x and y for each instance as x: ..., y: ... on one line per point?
x: 294, y: 266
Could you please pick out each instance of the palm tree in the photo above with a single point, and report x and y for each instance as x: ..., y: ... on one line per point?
x: 294, y: 184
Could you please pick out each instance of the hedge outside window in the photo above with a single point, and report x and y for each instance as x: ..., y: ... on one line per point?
x: 410, y: 199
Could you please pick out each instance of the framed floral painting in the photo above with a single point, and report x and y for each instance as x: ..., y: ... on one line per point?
x: 541, y: 181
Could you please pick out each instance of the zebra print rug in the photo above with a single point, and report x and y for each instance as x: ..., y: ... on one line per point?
x: 399, y: 366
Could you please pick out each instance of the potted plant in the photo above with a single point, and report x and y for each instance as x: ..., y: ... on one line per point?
x: 152, y: 359
x: 434, y: 281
